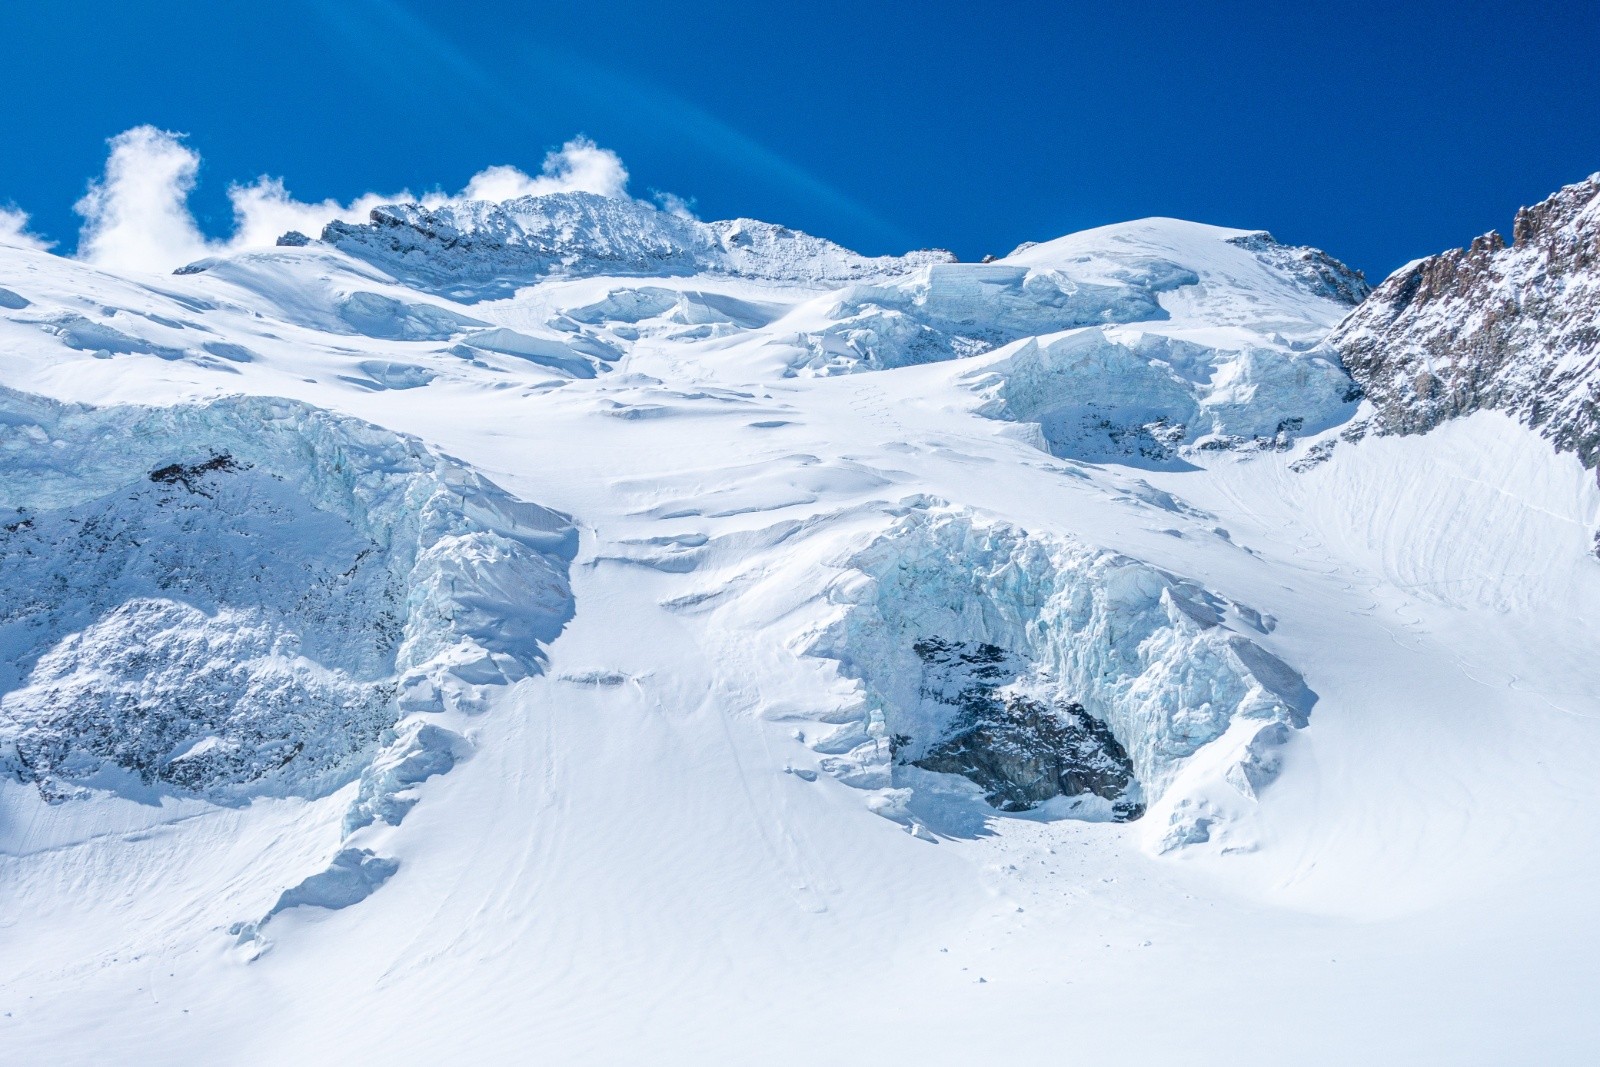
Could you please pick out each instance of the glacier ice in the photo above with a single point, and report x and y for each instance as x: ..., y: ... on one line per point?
x: 352, y: 876
x: 1058, y: 632
x: 948, y: 310
x: 1131, y: 396
x: 228, y: 598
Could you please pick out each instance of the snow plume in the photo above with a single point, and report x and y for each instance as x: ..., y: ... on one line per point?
x: 580, y: 166
x: 673, y: 204
x: 264, y: 210
x: 14, y: 231
x: 136, y: 217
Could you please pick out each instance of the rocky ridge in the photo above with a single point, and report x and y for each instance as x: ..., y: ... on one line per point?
x: 1512, y: 328
x: 479, y: 249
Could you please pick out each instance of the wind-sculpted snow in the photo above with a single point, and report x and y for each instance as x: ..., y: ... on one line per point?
x: 574, y: 356
x: 243, y: 597
x: 1515, y: 329
x: 389, y: 319
x: 477, y: 249
x: 1044, y: 630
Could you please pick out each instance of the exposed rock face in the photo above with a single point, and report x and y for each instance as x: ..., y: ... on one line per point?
x: 1515, y: 329
x: 1021, y: 750
x: 1311, y: 268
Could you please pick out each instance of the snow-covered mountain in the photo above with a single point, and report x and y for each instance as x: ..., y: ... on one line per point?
x: 566, y: 624
x: 475, y: 248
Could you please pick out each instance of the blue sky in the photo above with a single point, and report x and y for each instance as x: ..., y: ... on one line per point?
x: 1380, y: 132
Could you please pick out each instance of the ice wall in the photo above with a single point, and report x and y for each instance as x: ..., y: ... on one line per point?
x: 1151, y: 655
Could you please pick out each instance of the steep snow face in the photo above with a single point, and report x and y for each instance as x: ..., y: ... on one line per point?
x: 1513, y: 329
x: 1053, y: 629
x: 478, y: 249
x: 229, y: 598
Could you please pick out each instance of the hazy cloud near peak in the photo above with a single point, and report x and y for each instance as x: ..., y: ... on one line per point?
x: 14, y: 231
x: 579, y: 166
x: 264, y: 210
x: 136, y: 216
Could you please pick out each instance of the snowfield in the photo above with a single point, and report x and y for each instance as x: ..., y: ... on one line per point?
x: 562, y: 629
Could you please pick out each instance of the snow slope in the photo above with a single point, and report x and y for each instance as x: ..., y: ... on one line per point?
x: 832, y: 740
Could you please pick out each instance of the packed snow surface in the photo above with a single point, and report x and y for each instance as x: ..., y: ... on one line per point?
x: 567, y: 626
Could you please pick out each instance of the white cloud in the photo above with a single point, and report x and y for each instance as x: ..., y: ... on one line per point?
x: 137, y: 217
x: 579, y: 166
x: 14, y: 231
x: 673, y: 204
x: 263, y: 211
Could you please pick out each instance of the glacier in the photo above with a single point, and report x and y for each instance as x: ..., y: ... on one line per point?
x: 563, y: 623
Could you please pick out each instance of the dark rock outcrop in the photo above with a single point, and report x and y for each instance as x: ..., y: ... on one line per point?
x: 1021, y: 750
x: 1310, y: 268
